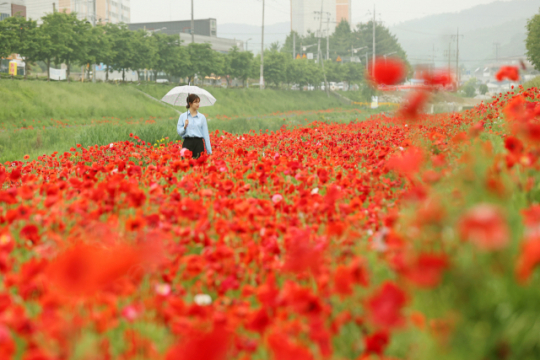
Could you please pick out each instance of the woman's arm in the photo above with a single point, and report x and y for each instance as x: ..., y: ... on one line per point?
x: 180, y: 128
x: 206, y: 136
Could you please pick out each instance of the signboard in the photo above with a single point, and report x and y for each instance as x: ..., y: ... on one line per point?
x: 310, y: 56
x: 298, y: 56
x: 374, y: 102
x: 13, y: 68
x: 304, y: 56
x: 58, y: 74
x: 339, y: 59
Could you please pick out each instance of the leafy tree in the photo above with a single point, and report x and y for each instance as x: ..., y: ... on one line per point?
x: 9, y: 41
x: 334, y: 71
x: 483, y: 89
x: 303, y: 72
x: 353, y: 73
x: 240, y: 64
x: 28, y: 39
x: 532, y: 43
x: 469, y: 88
x: 109, y: 54
x: 341, y: 40
x: 99, y: 47
x: 171, y: 58
x: 75, y: 36
x: 58, y: 28
x: 145, y: 50
x: 181, y: 64
x: 275, y: 67
x: 124, y: 56
x: 203, y: 60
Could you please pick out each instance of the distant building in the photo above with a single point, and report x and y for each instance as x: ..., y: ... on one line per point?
x: 218, y: 44
x: 205, y: 32
x: 305, y: 15
x: 343, y: 11
x: 107, y: 11
x: 12, y: 8
x: 204, y: 27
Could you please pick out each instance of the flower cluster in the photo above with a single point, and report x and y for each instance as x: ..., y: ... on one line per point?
x: 357, y: 241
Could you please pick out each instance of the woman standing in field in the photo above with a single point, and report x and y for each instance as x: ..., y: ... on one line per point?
x: 192, y: 127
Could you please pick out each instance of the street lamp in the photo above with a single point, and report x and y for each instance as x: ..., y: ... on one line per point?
x: 306, y: 47
x: 356, y: 50
x: 385, y: 55
x: 247, y: 43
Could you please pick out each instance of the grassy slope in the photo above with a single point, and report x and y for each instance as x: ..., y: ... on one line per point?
x: 249, y: 102
x: 80, y: 104
x: 75, y: 102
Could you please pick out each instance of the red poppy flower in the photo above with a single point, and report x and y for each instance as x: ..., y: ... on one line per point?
x: 376, y: 343
x: 508, y: 72
x: 426, y: 270
x: 413, y: 105
x: 485, y: 226
x: 384, y: 307
x: 204, y: 346
x: 390, y: 71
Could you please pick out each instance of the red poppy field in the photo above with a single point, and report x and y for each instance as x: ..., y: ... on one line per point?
x: 411, y: 237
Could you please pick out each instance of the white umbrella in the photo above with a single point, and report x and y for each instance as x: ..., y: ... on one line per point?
x: 178, y: 96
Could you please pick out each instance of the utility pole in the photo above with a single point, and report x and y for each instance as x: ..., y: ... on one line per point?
x: 374, y: 18
x: 53, y: 7
x: 192, y: 24
x: 261, y: 81
x: 319, y: 54
x: 457, y: 57
x: 497, y: 45
x: 328, y: 35
x: 320, y: 32
x: 94, y: 65
x: 294, y: 45
x: 457, y: 36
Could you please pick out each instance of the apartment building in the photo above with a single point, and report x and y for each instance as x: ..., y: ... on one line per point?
x: 306, y: 15
x: 105, y: 11
x: 12, y: 8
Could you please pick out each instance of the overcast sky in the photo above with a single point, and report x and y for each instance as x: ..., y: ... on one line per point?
x: 250, y: 11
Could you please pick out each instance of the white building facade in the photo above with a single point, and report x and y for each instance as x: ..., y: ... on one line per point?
x: 306, y: 15
x: 106, y: 11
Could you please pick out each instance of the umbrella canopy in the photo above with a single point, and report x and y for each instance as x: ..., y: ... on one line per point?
x: 179, y: 94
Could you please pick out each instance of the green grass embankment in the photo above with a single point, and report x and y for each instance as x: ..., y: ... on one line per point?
x: 38, y: 117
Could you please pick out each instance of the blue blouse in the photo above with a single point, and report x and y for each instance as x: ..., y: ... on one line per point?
x: 197, y: 127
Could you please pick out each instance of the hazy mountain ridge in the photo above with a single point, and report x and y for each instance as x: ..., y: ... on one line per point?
x: 481, y: 26
x: 272, y: 33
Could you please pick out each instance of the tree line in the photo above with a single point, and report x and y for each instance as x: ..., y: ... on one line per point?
x: 62, y: 38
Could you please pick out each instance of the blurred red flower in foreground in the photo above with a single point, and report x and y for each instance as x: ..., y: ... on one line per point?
x: 440, y: 77
x: 283, y: 349
x: 376, y: 343
x: 407, y: 162
x: 426, y: 270
x: 84, y: 268
x: 485, y: 226
x: 413, y: 105
x: 210, y: 346
x: 508, y: 72
x: 384, y: 307
x: 529, y: 258
x: 389, y: 71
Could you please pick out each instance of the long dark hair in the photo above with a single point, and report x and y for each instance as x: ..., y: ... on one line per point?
x: 191, y: 99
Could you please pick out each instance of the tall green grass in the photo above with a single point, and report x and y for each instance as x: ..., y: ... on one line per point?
x: 83, y: 105
x: 15, y: 145
x: 75, y: 102
x: 249, y: 102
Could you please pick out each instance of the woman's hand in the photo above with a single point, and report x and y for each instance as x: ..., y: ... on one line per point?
x: 186, y: 123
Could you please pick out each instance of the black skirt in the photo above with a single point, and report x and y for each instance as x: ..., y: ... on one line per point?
x: 195, y: 145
